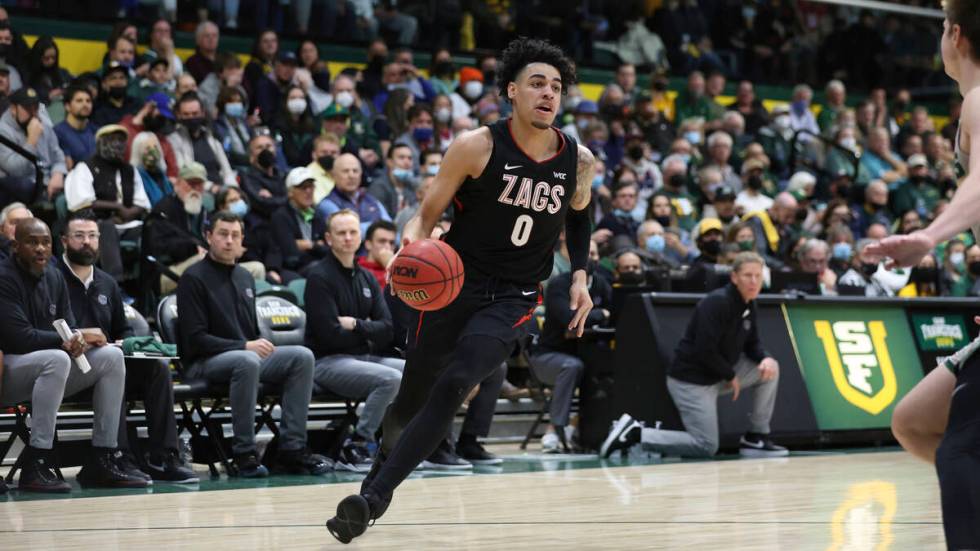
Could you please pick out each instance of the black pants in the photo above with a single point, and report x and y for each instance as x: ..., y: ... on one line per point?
x: 450, y: 351
x: 479, y: 415
x: 110, y: 255
x: 958, y: 461
x: 149, y: 380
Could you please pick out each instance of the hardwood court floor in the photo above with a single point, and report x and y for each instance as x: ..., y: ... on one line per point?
x: 853, y: 501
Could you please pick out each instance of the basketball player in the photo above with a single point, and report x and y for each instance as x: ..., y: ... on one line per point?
x: 514, y: 185
x: 939, y: 420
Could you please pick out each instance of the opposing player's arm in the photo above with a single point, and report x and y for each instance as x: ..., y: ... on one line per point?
x: 583, y: 180
x: 466, y: 157
x: 962, y: 211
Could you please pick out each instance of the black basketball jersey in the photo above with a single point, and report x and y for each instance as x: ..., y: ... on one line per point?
x: 507, y: 221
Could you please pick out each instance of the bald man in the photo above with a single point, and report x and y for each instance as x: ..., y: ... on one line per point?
x: 38, y: 366
x: 771, y: 227
x: 348, y: 194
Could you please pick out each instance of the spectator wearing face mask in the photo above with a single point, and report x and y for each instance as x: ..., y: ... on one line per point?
x: 924, y: 279
x: 682, y: 202
x: 263, y: 182
x: 111, y: 187
x: 617, y: 229
x: 752, y: 198
x: 801, y: 117
x: 841, y: 241
x: 919, y: 192
x: 114, y: 102
x: 294, y: 126
x: 146, y: 156
x: 776, y: 140
x: 652, y: 238
x: 420, y: 133
x: 326, y: 149
x: 586, y: 113
x: 647, y: 172
x: 629, y: 270
x: 232, y: 126
x: 157, y: 118
x: 395, y: 188
x: 868, y: 277
x: 193, y: 141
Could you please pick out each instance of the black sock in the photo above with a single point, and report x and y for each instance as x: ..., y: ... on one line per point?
x: 466, y: 439
x: 755, y: 436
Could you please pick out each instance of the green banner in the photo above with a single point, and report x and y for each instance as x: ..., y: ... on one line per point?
x: 937, y: 332
x: 857, y: 361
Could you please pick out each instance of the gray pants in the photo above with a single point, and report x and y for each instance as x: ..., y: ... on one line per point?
x: 289, y: 366
x: 698, y: 406
x: 564, y: 372
x: 46, y: 376
x: 375, y: 377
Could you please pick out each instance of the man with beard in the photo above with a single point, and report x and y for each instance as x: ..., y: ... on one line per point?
x: 38, y: 366
x: 76, y: 135
x: 97, y: 305
x: 114, y: 103
x: 193, y: 141
x: 112, y: 188
x: 175, y: 230
x: 23, y: 124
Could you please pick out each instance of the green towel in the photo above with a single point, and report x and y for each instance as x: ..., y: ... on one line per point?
x: 148, y: 346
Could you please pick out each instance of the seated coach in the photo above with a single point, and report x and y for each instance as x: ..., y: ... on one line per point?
x: 218, y: 339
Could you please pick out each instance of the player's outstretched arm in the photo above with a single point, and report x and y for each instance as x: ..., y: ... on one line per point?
x: 963, y: 211
x: 578, y: 233
x: 466, y: 157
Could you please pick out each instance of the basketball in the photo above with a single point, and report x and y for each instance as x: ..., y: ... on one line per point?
x: 427, y: 275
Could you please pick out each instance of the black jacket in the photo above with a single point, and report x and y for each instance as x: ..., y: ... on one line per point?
x: 168, y: 234
x: 253, y: 181
x: 28, y: 307
x: 285, y: 231
x: 216, y: 307
x: 558, y: 312
x: 339, y: 291
x: 723, y: 327
x: 101, y: 305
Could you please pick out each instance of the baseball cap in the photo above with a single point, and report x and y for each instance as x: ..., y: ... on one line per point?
x: 335, y: 110
x: 159, y: 61
x: 753, y: 164
x: 110, y: 129
x: 4, y: 68
x: 707, y: 225
x: 114, y: 66
x: 25, y: 97
x: 298, y: 176
x: 193, y: 171
x: 780, y: 109
x: 587, y: 107
x: 286, y: 56
x: 467, y: 74
x: 162, y: 102
x: 918, y: 160
x: 724, y: 193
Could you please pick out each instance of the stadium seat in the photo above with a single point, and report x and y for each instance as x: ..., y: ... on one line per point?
x: 298, y: 287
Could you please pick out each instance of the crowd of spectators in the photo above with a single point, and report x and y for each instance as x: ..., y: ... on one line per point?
x: 151, y: 151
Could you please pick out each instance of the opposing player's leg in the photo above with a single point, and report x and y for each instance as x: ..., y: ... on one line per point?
x: 958, y: 461
x: 920, y: 418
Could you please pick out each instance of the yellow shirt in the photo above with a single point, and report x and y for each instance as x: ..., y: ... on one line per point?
x: 322, y: 182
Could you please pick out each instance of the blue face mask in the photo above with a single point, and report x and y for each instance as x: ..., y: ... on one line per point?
x: 422, y: 134
x: 620, y: 213
x: 432, y: 170
x: 655, y: 243
x: 799, y: 107
x: 842, y: 251
x: 402, y: 174
x: 235, y: 110
x: 597, y: 181
x: 693, y: 137
x: 239, y: 207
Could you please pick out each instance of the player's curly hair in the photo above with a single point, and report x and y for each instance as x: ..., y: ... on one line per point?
x: 523, y: 51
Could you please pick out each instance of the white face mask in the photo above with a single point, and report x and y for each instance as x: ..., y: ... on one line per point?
x: 473, y: 89
x: 782, y: 122
x: 344, y: 99
x: 296, y: 106
x: 193, y: 203
x: 443, y: 114
x: 848, y: 143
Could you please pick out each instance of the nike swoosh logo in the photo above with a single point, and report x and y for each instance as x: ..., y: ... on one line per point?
x: 508, y: 167
x: 529, y: 293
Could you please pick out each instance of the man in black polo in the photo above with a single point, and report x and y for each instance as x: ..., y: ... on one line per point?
x: 720, y: 353
x: 219, y: 340
x: 96, y: 302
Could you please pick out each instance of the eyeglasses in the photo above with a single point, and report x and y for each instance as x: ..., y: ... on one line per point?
x: 84, y: 236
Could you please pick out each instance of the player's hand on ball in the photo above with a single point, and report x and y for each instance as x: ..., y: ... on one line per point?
x: 581, y: 303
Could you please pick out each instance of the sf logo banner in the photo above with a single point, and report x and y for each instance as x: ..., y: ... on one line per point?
x: 859, y: 362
